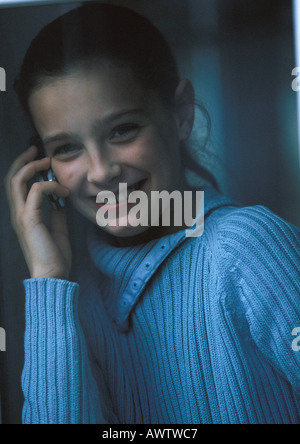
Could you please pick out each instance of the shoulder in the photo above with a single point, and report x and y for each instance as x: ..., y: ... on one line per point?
x: 254, y: 230
x: 256, y: 254
x: 253, y: 248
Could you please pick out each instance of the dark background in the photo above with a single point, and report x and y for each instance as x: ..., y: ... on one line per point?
x: 239, y: 55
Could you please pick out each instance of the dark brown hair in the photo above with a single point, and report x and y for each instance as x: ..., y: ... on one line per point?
x: 96, y: 32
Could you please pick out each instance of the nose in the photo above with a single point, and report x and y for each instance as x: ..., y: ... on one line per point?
x: 101, y: 168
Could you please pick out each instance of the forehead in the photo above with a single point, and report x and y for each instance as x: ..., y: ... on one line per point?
x: 69, y: 100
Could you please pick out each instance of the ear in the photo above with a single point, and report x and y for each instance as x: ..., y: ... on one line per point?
x: 185, y: 110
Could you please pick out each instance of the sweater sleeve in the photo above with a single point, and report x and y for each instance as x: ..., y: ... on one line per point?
x: 263, y: 252
x: 57, y: 382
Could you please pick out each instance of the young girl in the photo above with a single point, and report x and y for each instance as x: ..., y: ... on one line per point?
x: 159, y: 327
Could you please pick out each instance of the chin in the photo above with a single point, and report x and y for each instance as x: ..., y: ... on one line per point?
x: 124, y: 232
x: 121, y: 227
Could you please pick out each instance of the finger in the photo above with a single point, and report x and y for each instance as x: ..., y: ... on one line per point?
x: 29, y: 170
x: 16, y: 166
x: 41, y: 189
x: 18, y: 185
x: 19, y: 162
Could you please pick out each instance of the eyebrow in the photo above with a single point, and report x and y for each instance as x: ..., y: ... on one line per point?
x: 98, y: 124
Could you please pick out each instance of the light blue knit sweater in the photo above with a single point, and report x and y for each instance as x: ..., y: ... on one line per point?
x: 175, y: 331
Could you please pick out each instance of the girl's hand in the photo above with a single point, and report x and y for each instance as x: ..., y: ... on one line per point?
x: 47, y: 252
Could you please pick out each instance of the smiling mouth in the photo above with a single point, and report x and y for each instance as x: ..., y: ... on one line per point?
x: 120, y: 197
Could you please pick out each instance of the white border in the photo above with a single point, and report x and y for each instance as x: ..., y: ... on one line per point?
x: 296, y: 13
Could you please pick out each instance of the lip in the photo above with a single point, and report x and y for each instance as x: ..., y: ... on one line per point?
x: 138, y: 185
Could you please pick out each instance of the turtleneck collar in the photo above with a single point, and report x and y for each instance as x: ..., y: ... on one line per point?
x: 126, y: 270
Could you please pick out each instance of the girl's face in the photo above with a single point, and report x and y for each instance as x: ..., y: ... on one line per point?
x: 101, y: 128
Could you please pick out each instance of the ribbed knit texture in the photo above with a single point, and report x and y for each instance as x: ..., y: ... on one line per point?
x: 56, y: 372
x: 178, y: 331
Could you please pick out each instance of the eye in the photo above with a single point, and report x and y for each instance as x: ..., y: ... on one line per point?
x: 67, y: 150
x: 124, y: 133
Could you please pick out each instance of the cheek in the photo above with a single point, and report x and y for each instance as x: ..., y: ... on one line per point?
x: 152, y: 152
x: 68, y: 175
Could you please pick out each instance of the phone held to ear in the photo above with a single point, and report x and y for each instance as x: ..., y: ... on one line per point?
x: 46, y: 176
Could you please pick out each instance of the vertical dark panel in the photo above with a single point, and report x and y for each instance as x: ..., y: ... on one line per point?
x: 256, y: 59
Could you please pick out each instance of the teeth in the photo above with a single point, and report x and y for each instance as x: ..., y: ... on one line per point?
x: 121, y: 197
x: 110, y: 201
x: 124, y: 196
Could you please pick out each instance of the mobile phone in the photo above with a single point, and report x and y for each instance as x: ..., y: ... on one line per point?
x: 46, y: 176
